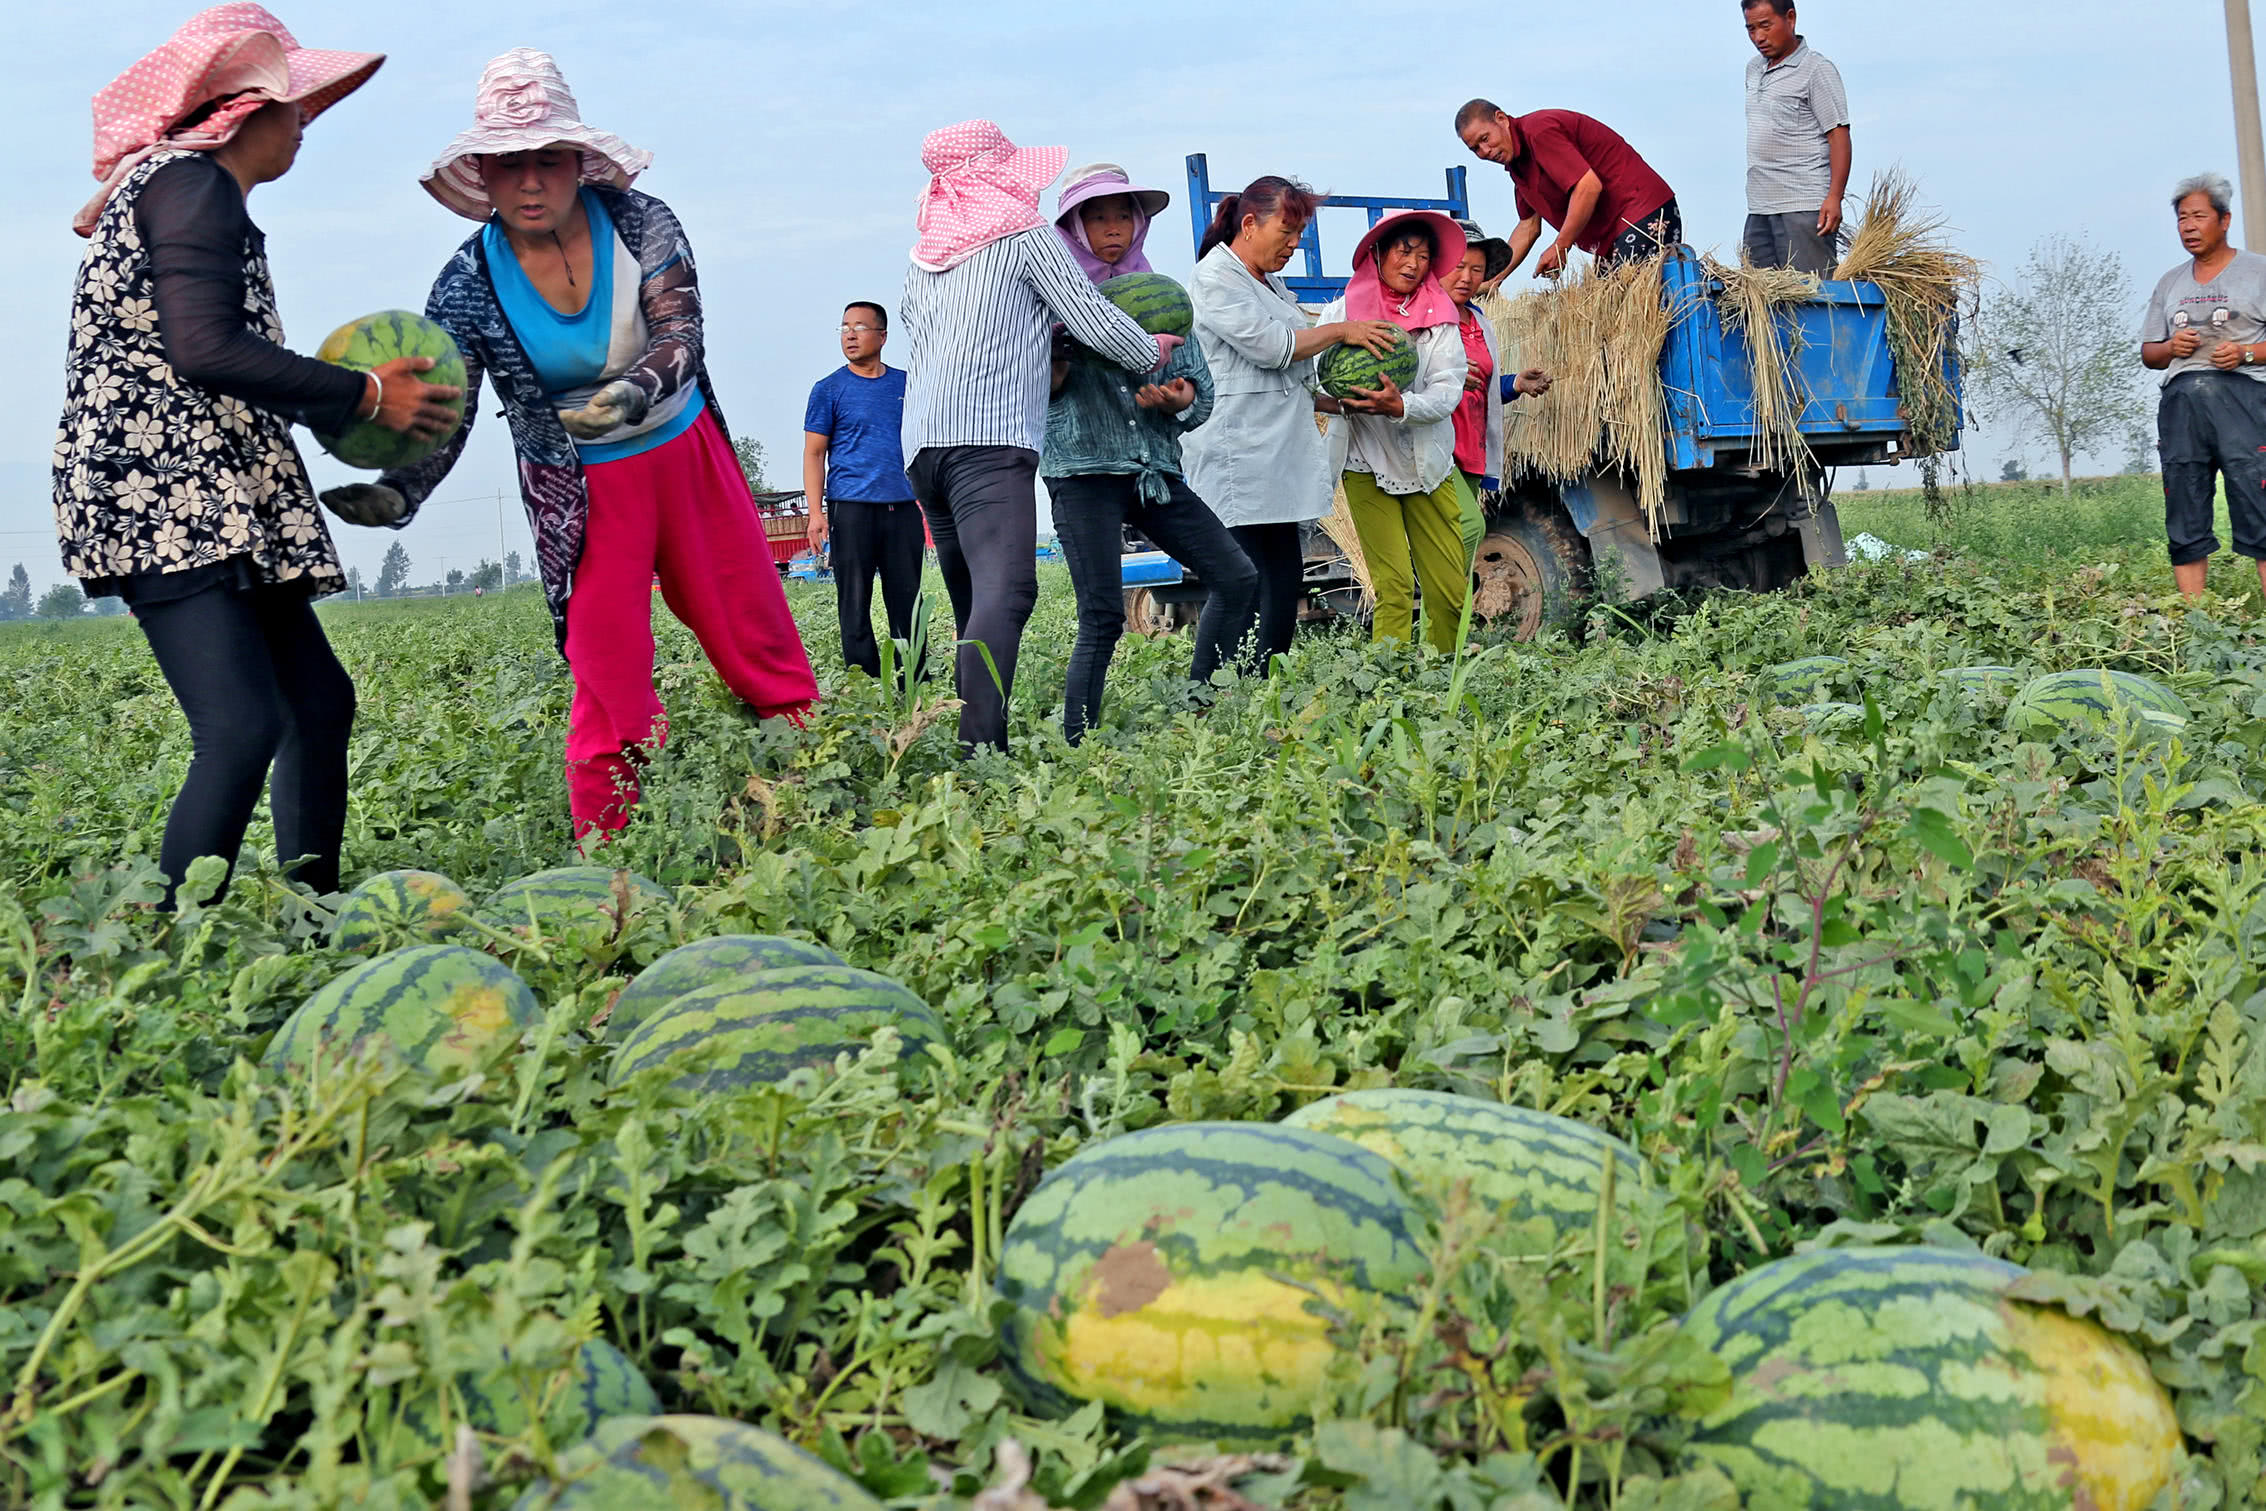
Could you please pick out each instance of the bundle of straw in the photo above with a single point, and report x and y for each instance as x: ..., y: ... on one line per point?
x: 1339, y: 527
x: 1748, y: 307
x: 1903, y: 248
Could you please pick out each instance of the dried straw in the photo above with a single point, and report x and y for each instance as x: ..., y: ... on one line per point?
x: 1338, y: 525
x: 1748, y: 308
x: 1903, y: 248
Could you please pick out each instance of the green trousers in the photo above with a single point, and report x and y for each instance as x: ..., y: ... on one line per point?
x: 1412, y: 538
x: 1474, y: 515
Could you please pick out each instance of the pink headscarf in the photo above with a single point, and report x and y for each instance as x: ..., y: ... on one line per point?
x: 236, y: 49
x: 1367, y: 298
x: 1101, y: 181
x: 984, y: 187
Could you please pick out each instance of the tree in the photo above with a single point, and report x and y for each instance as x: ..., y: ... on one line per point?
x: 454, y: 582
x: 2140, y: 452
x: 109, y: 606
x: 2012, y: 471
x: 487, y: 577
x: 393, y: 572
x: 354, y: 581
x: 512, y: 573
x: 15, y: 600
x: 750, y: 453
x: 2057, y: 349
x: 62, y: 601
x: 1864, y: 482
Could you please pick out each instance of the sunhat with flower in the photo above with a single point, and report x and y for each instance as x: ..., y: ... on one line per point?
x: 238, y: 53
x: 523, y: 105
x: 983, y: 187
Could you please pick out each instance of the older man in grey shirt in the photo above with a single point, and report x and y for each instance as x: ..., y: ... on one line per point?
x: 1797, y: 146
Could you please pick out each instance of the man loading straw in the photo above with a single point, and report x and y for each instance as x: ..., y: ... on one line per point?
x: 1580, y: 175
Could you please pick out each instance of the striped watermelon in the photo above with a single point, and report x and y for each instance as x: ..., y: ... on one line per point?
x: 366, y: 343
x: 1983, y: 681
x: 2091, y: 699
x: 1829, y: 717
x: 396, y: 908
x: 707, y: 962
x: 756, y: 1029
x: 572, y: 894
x: 1346, y: 368
x: 1181, y: 1275
x: 440, y: 1006
x: 1521, y: 1163
x: 1157, y: 304
x: 1803, y: 680
x: 1900, y: 1378
x: 654, y: 1463
x: 601, y: 1383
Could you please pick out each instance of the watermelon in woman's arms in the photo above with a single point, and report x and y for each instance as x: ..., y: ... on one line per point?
x: 1345, y: 368
x: 1157, y: 304
x: 375, y: 339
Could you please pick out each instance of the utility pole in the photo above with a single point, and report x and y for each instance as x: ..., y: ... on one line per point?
x: 2250, y: 143
x: 501, y: 581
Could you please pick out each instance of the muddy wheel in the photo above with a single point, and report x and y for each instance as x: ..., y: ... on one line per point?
x: 1144, y: 615
x: 1528, y: 572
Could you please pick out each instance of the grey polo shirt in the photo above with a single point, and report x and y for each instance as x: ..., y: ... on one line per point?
x: 1791, y: 105
x: 2231, y: 307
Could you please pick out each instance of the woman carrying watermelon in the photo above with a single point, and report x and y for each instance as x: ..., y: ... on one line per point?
x: 1260, y: 463
x: 577, y: 298
x: 1397, y: 449
x: 177, y: 485
x: 1112, y: 458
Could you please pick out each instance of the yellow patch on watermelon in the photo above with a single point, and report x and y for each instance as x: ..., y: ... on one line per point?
x: 1238, y: 1348
x: 2113, y: 1424
x: 479, y: 1015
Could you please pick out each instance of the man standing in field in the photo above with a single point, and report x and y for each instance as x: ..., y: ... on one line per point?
x: 1797, y: 146
x: 854, y: 481
x: 2205, y: 331
x: 1582, y: 177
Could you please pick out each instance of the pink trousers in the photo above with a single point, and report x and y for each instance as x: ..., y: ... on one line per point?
x: 681, y: 510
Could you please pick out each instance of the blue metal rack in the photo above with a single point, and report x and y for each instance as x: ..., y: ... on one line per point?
x: 1313, y: 286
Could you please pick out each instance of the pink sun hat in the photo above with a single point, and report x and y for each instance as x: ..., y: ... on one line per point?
x: 238, y: 49
x: 523, y: 105
x: 983, y: 187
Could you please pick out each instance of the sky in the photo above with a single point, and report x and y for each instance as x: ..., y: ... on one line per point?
x: 787, y: 138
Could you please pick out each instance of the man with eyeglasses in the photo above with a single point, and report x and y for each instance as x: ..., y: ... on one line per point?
x: 854, y: 479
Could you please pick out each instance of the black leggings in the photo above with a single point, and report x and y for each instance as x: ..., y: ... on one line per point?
x: 1279, y: 552
x: 982, y: 508
x: 259, y: 684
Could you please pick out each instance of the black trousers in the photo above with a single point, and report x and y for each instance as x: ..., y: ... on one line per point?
x: 1278, y: 553
x: 2211, y: 425
x: 870, y: 540
x: 982, y: 508
x: 1090, y: 515
x: 1655, y: 234
x: 260, y: 686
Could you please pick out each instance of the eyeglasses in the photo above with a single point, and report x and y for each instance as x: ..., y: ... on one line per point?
x: 861, y: 330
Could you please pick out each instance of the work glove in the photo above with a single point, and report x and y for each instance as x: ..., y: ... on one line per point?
x: 619, y: 403
x: 371, y: 504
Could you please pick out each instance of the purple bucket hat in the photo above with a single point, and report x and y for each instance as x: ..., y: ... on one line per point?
x: 1099, y: 181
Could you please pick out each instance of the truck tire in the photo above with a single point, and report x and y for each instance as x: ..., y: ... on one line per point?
x: 1529, y: 571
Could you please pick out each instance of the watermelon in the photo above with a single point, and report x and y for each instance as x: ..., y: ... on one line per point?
x: 1521, y: 1163
x: 707, y: 962
x: 439, y: 1006
x: 369, y: 342
x: 1803, y: 680
x: 1905, y: 1377
x: 1157, y: 304
x: 571, y: 893
x: 2092, y: 699
x: 600, y: 1384
x: 1826, y: 717
x: 754, y: 1030
x: 1346, y: 368
x: 1981, y: 681
x: 1183, y: 1276
x: 650, y: 1463
x: 398, y: 907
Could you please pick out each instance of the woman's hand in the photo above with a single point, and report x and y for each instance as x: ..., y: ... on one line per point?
x: 1473, y: 379
x: 408, y: 405
x: 1534, y: 381
x: 1172, y: 397
x: 369, y: 504
x: 1384, y: 399
x: 1376, y: 337
x: 619, y: 403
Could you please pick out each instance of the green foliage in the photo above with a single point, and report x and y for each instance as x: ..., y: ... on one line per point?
x: 1907, y: 976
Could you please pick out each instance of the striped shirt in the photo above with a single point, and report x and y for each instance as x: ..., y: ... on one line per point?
x: 979, y: 343
x: 1792, y: 105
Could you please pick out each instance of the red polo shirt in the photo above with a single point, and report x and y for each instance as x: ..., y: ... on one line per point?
x: 1557, y: 147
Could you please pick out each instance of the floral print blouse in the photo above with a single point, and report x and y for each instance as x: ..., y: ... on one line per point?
x: 158, y: 475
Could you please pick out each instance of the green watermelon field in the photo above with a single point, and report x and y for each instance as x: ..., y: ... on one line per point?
x: 1752, y: 967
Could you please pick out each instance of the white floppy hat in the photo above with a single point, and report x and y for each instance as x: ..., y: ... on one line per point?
x: 524, y: 105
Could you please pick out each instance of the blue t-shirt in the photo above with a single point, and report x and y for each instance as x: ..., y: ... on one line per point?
x: 862, y: 420
x: 569, y: 352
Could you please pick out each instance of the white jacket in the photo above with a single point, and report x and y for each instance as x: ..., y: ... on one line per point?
x: 1415, y: 453
x: 1261, y: 459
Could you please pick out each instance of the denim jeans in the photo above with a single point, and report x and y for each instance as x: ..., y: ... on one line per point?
x: 1090, y: 515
